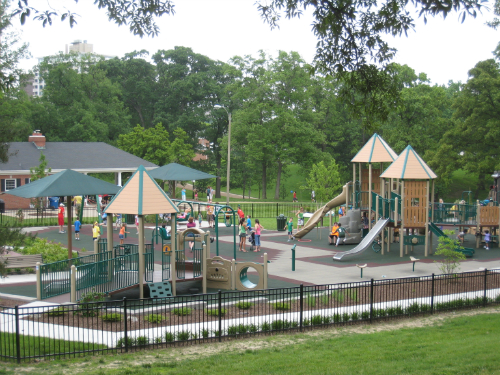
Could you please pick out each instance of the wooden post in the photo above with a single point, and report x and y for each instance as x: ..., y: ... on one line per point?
x: 427, y: 220
x: 354, y: 184
x: 360, y: 189
x: 233, y: 274
x: 382, y: 188
x: 141, y: 256
x: 431, y: 236
x: 173, y: 272
x: 70, y: 219
x: 38, y: 282
x: 478, y: 225
x: 204, y: 266
x: 265, y: 270
x: 110, y: 231
x: 96, y: 245
x: 370, y: 196
x: 208, y: 245
x: 73, y: 284
x: 401, y: 230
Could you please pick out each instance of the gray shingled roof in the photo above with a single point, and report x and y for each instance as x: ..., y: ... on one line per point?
x: 78, y: 156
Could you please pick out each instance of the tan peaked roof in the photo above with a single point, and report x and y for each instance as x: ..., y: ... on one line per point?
x: 409, y: 165
x: 141, y: 195
x: 376, y: 150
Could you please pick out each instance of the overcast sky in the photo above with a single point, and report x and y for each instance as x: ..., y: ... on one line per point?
x: 220, y: 29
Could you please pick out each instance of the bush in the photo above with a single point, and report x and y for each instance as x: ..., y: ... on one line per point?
x: 306, y: 322
x: 266, y: 326
x: 280, y: 324
x: 169, y: 337
x: 232, y: 330
x: 205, y: 333
x: 414, y: 308
x: 446, y: 248
x: 112, y: 317
x: 252, y: 328
x: 425, y: 308
x: 327, y: 319
x: 141, y: 340
x: 365, y: 315
x: 182, y: 311
x: 355, y: 316
x: 316, y: 320
x: 155, y: 318
x: 338, y: 296
x: 391, y: 311
x: 399, y: 310
x: 337, y: 318
x: 51, y: 252
x: 497, y: 298
x: 215, y: 312
x: 281, y: 306
x: 346, y: 317
x: 88, y: 306
x: 121, y: 342
x: 311, y: 300
x: 242, y: 329
x: 58, y: 311
x: 244, y: 305
x: 183, y: 335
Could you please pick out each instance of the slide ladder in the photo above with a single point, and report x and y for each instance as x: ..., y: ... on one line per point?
x: 366, y: 242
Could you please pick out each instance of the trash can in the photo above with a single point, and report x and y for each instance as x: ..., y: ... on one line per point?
x: 281, y: 222
x: 54, y: 202
x: 130, y: 219
x: 2, y: 206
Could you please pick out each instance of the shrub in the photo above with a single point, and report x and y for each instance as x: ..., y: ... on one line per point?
x: 112, y: 317
x: 205, y: 333
x: 425, y: 308
x: 346, y: 317
x: 89, y: 303
x: 391, y: 311
x: 414, y: 308
x: 354, y: 316
x: 337, y: 318
x: 306, y: 322
x: 266, y: 326
x: 121, y: 342
x: 215, y: 312
x: 497, y: 298
x: 244, y: 305
x: 281, y: 306
x: 158, y: 340
x: 316, y: 320
x: 280, y: 324
x: 327, y: 319
x: 310, y: 300
x: 468, y: 302
x: 169, y: 337
x: 338, y: 296
x: 141, y: 340
x: 58, y: 311
x: 242, y: 329
x: 446, y: 248
x: 294, y: 324
x: 252, y: 328
x: 478, y: 301
x: 232, y: 330
x: 352, y: 294
x: 325, y: 299
x: 365, y: 315
x: 155, y: 318
x: 399, y: 310
x: 182, y: 311
x: 183, y: 335
x: 51, y: 252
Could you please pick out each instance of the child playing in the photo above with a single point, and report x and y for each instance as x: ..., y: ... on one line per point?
x: 249, y: 224
x: 118, y: 222
x: 77, y: 229
x: 334, y: 234
x: 300, y: 215
x: 289, y: 226
x: 121, y: 236
x: 487, y: 238
x: 96, y: 231
x: 200, y: 219
x: 461, y: 236
x: 196, y: 195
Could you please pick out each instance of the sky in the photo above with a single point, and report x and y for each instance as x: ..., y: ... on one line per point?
x: 220, y: 29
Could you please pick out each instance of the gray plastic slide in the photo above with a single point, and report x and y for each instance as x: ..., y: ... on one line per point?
x: 316, y: 217
x: 366, y: 243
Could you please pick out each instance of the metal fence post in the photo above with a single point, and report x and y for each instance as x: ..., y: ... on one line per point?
x: 18, y: 342
x: 371, y: 300
x: 125, y: 326
x: 485, y: 298
x: 252, y: 211
x: 301, y: 305
x: 220, y: 314
x: 432, y: 295
x: 277, y: 209
x: 293, y: 257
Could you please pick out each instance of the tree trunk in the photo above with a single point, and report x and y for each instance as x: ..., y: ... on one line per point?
x: 218, y: 162
x: 244, y: 185
x: 278, y: 181
x: 264, y: 181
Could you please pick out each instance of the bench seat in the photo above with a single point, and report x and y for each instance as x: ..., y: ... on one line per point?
x: 22, y: 261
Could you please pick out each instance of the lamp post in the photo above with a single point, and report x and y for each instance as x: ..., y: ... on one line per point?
x: 228, y: 150
x: 193, y: 188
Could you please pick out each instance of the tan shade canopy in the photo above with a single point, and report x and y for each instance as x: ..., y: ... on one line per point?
x: 409, y: 166
x: 141, y: 195
x: 376, y: 150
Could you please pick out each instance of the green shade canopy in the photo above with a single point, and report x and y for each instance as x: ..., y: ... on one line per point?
x: 65, y: 183
x: 177, y: 172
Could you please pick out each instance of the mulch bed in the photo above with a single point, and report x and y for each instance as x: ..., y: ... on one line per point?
x: 315, y: 298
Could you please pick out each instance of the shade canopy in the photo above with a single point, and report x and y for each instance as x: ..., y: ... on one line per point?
x: 65, y: 183
x: 141, y: 195
x: 376, y: 150
x: 177, y: 172
x: 410, y: 166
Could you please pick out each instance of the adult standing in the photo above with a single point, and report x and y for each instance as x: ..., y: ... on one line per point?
x: 313, y: 196
x: 209, y: 189
x: 212, y: 191
x: 258, y: 229
x: 77, y: 200
x: 60, y: 218
x: 183, y: 193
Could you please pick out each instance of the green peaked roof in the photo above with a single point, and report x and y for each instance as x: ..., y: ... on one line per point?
x: 177, y: 172
x: 65, y: 183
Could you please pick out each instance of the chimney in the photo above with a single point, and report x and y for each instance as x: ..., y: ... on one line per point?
x: 38, y: 139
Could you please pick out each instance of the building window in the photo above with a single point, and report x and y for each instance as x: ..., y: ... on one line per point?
x: 10, y: 184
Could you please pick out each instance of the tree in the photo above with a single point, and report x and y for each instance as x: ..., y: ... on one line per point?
x: 79, y: 102
x: 447, y: 247
x: 37, y: 173
x: 471, y: 143
x: 137, y: 15
x: 154, y: 145
x: 9, y: 236
x: 324, y: 179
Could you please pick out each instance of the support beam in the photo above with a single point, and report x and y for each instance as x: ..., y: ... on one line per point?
x: 427, y: 218
x: 369, y: 196
x: 173, y: 272
x: 70, y: 219
x: 141, y: 256
x: 401, y: 230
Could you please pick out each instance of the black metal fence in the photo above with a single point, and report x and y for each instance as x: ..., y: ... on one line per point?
x: 32, y: 217
x: 27, y: 333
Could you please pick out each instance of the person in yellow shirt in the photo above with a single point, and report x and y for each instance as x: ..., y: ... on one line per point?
x: 96, y: 231
x: 334, y: 234
x: 77, y: 200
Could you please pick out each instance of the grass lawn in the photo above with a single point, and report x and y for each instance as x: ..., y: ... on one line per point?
x: 441, y: 344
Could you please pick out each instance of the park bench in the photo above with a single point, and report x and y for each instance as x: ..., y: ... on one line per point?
x: 22, y: 261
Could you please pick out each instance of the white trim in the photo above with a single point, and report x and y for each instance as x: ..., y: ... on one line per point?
x: 97, y: 170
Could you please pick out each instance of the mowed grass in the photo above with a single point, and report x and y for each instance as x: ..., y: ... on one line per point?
x: 459, y: 345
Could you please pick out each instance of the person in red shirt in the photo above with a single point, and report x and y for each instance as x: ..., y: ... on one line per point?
x: 60, y: 218
x: 294, y: 196
x: 240, y: 213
